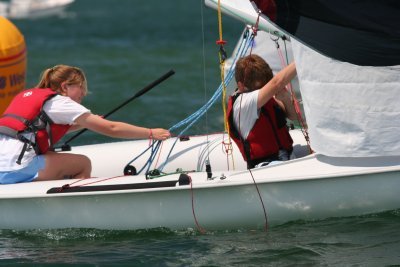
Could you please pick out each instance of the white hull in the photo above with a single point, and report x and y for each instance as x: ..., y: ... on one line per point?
x: 308, y: 188
x: 23, y: 9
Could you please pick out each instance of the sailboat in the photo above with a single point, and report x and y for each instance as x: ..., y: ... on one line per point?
x: 22, y: 9
x: 202, y: 181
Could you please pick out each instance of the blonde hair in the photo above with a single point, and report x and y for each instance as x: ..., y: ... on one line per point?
x: 253, y: 72
x: 53, y: 78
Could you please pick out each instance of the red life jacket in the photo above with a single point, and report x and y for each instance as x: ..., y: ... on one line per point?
x: 25, y: 115
x: 268, y: 135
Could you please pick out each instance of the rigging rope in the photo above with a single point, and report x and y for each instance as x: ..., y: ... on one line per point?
x: 295, y: 101
x: 199, y: 227
x: 246, y: 43
x: 222, y: 58
x: 204, y: 71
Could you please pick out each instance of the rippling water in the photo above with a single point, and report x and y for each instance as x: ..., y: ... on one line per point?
x: 372, y: 240
x: 122, y: 46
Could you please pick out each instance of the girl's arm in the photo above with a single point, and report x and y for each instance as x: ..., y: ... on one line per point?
x: 119, y: 129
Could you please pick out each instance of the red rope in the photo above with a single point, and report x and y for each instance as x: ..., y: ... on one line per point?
x: 261, y: 200
x: 228, y: 149
x: 255, y: 30
x: 94, y: 182
x: 159, y: 153
x: 295, y: 101
x: 201, y: 229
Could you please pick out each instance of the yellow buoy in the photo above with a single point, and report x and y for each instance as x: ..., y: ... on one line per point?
x: 12, y: 62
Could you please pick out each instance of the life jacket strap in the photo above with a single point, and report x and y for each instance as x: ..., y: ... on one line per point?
x: 8, y: 131
x: 46, y: 122
x: 14, y: 134
x: 17, y: 117
x: 21, y: 155
x: 27, y: 145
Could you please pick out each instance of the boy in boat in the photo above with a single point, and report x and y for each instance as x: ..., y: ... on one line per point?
x: 37, y: 118
x: 257, y: 111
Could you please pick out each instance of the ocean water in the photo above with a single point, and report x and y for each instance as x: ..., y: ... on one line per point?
x: 123, y: 46
x: 372, y: 240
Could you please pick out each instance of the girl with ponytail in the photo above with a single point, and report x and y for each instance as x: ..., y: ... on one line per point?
x: 37, y: 118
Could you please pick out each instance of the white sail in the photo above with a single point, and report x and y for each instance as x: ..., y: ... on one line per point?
x: 352, y: 111
x: 243, y: 10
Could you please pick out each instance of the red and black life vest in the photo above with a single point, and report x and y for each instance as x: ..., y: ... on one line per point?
x: 268, y: 135
x: 25, y: 115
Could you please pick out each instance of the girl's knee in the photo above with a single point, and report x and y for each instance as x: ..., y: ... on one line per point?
x: 85, y: 160
x: 86, y: 167
x: 61, y: 166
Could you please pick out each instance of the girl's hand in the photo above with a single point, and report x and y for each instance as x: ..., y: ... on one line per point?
x: 159, y: 134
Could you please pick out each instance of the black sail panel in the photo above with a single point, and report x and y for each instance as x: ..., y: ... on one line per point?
x: 365, y: 33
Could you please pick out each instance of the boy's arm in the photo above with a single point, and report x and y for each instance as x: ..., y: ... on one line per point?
x: 277, y: 83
